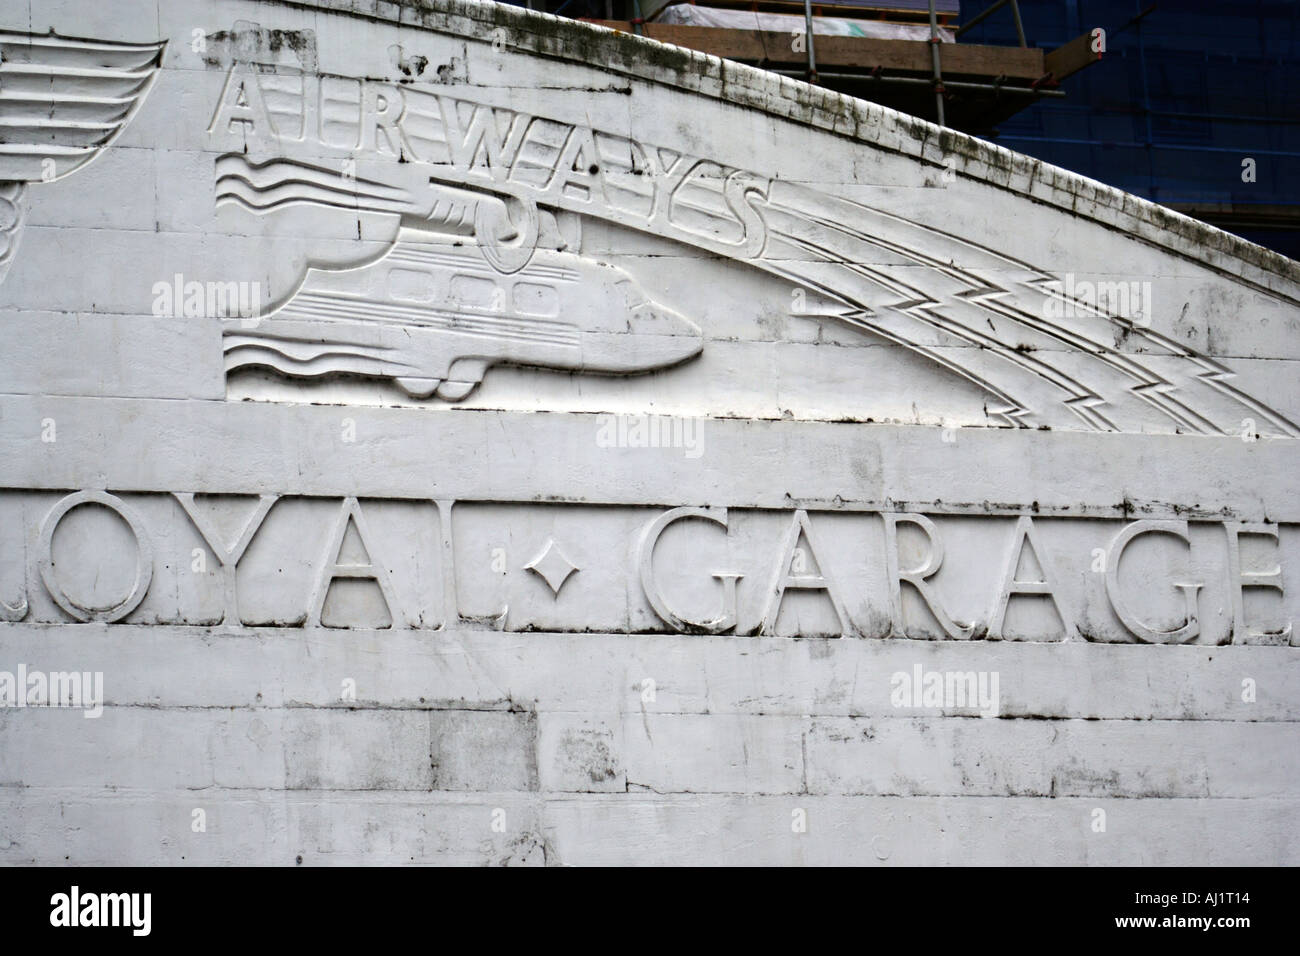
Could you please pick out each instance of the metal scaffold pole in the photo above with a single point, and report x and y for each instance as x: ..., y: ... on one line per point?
x: 808, y: 26
x: 934, y: 60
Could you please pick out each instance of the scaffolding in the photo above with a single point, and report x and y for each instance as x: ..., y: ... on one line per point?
x: 970, y: 87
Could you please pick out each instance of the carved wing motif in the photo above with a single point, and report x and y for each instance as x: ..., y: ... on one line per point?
x: 62, y: 101
x: 66, y: 99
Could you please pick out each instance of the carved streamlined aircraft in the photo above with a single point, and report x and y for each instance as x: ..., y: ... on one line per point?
x: 463, y: 288
x: 62, y: 101
x: 1044, y: 355
x: 433, y: 317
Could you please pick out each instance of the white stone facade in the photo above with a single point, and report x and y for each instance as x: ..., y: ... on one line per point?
x: 439, y: 433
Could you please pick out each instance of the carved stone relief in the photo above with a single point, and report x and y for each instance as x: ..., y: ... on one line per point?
x: 508, y: 189
x: 65, y: 101
x: 549, y: 478
x: 683, y: 570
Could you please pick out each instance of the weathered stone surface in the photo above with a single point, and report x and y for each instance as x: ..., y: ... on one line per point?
x: 438, y: 433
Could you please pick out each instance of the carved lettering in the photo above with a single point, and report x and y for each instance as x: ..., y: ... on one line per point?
x: 917, y: 577
x: 331, y: 567
x: 787, y: 576
x: 228, y: 555
x: 1240, y: 579
x: 241, y: 110
x: 1036, y: 562
x: 1025, y: 535
x: 143, y: 558
x: 1190, y: 626
x: 726, y: 619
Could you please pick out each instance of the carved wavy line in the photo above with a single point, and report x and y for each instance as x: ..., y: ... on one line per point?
x: 234, y: 186
x: 327, y: 363
x: 240, y: 201
x: 277, y: 172
x: 301, y: 351
x: 310, y: 189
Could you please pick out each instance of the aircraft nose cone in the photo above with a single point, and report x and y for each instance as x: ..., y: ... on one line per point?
x: 655, y: 337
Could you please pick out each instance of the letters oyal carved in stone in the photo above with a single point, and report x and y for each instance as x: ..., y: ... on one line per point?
x: 855, y: 569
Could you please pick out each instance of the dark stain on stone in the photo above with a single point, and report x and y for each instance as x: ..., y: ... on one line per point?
x: 248, y: 42
x: 412, y: 66
x: 589, y: 751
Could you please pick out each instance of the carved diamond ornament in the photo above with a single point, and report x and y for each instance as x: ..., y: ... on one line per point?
x: 552, y: 566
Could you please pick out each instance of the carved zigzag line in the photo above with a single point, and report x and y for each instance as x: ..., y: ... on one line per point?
x: 989, y: 296
x: 1151, y: 387
x: 1083, y: 401
x: 1012, y: 410
x: 922, y: 308
x: 985, y: 294
x: 862, y: 316
x: 1211, y: 374
x: 1160, y: 399
x: 1216, y: 377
